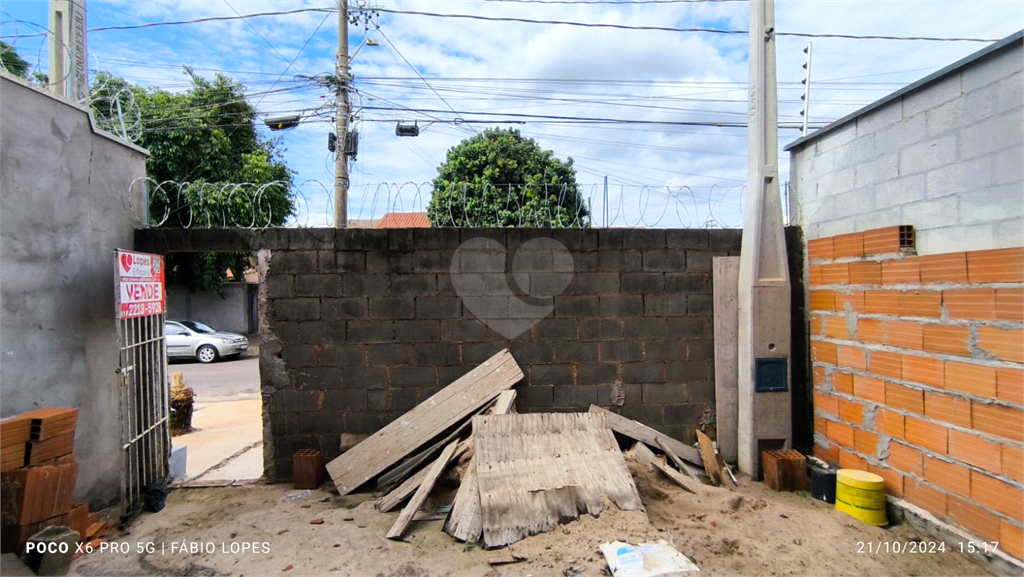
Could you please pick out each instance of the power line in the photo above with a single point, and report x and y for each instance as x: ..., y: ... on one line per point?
x: 212, y: 19
x: 299, y: 53
x: 253, y: 28
x: 397, y: 51
x: 564, y: 119
x: 669, y: 28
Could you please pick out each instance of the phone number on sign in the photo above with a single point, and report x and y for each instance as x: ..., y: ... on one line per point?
x: 142, y: 309
x: 900, y: 547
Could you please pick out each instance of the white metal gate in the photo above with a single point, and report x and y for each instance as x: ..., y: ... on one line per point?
x: 145, y: 439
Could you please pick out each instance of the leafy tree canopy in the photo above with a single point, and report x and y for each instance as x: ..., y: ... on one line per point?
x: 500, y: 179
x: 12, y: 61
x: 203, y: 139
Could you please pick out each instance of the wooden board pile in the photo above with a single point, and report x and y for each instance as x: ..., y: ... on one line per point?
x: 523, y: 474
x: 39, y: 470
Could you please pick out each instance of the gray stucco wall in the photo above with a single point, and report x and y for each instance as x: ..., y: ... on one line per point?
x: 63, y: 210
x: 945, y: 158
x: 227, y: 311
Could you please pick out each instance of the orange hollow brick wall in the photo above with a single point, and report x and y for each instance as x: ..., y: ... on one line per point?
x: 918, y: 369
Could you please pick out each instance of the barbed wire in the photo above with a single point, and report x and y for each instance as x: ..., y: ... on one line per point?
x: 249, y: 205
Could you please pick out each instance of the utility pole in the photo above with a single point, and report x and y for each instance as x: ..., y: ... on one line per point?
x: 341, y: 122
x: 763, y: 402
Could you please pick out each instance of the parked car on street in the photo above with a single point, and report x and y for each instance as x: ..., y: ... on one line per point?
x: 193, y: 339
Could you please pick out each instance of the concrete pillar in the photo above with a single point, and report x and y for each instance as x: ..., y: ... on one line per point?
x: 764, y: 418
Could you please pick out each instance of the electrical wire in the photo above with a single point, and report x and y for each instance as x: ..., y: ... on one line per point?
x: 299, y: 53
x: 397, y: 51
x: 213, y: 19
x: 253, y: 28
x: 669, y: 28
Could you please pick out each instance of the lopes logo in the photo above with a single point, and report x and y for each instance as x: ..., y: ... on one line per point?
x: 136, y: 265
x: 541, y: 269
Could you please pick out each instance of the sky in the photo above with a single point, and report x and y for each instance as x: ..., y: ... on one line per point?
x: 454, y: 77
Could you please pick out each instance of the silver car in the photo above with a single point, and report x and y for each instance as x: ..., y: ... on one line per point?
x: 192, y: 339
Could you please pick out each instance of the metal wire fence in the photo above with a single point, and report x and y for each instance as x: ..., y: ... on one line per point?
x: 257, y: 205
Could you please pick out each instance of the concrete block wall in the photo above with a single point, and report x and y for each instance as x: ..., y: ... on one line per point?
x: 365, y: 324
x: 918, y: 371
x: 230, y: 310
x: 947, y: 157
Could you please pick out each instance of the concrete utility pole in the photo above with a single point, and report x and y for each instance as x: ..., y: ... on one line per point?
x: 763, y: 402
x: 69, y: 68
x: 341, y: 122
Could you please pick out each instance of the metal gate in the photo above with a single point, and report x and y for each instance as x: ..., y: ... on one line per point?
x: 145, y: 439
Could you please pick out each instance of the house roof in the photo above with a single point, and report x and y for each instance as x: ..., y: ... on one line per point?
x: 1015, y: 38
x: 404, y: 220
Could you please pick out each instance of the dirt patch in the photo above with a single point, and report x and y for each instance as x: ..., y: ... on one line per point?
x: 747, y: 531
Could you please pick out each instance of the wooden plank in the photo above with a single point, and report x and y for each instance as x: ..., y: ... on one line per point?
x: 464, y: 521
x: 672, y: 474
x: 424, y: 422
x: 400, y: 473
x: 725, y: 281
x: 645, y: 434
x: 647, y: 458
x: 421, y: 494
x: 675, y: 458
x: 644, y: 454
x: 409, y: 486
x: 505, y: 403
x: 538, y: 470
x: 707, y: 452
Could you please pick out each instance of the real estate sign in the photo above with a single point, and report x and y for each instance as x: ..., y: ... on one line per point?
x: 140, y: 281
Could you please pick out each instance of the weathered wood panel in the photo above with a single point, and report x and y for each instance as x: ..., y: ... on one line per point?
x: 537, y: 470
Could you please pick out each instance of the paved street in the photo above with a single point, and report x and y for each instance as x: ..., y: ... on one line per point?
x: 226, y: 443
x: 233, y: 380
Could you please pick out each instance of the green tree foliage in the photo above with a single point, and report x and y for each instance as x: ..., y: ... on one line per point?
x: 500, y: 179
x: 204, y: 138
x: 11, y: 61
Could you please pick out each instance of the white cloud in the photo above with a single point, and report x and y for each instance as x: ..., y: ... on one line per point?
x: 572, y: 71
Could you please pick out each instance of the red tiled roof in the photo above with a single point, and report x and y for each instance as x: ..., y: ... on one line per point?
x: 404, y: 220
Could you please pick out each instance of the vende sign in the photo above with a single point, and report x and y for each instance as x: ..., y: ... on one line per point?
x: 140, y: 281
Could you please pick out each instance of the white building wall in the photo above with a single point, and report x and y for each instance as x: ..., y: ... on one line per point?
x: 946, y: 158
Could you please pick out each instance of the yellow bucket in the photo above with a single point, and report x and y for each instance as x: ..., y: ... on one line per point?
x: 861, y: 495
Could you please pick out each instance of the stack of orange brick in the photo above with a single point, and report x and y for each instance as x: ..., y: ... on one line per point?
x: 37, y: 483
x: 918, y: 368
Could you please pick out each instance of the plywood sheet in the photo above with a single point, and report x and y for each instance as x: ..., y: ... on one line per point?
x: 424, y: 422
x: 537, y: 470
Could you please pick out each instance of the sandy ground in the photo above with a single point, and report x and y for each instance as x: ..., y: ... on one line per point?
x: 749, y: 530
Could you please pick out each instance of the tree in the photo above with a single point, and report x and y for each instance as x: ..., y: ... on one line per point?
x: 202, y: 140
x: 11, y: 61
x: 500, y: 179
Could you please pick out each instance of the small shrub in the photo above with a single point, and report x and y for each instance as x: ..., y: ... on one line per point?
x: 182, y: 401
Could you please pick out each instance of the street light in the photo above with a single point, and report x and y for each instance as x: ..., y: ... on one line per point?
x: 365, y: 42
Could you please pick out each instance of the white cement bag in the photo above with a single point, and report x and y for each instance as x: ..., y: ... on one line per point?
x: 646, y: 560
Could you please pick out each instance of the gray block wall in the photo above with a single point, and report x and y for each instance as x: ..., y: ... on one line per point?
x: 64, y: 208
x: 947, y: 158
x: 365, y: 324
